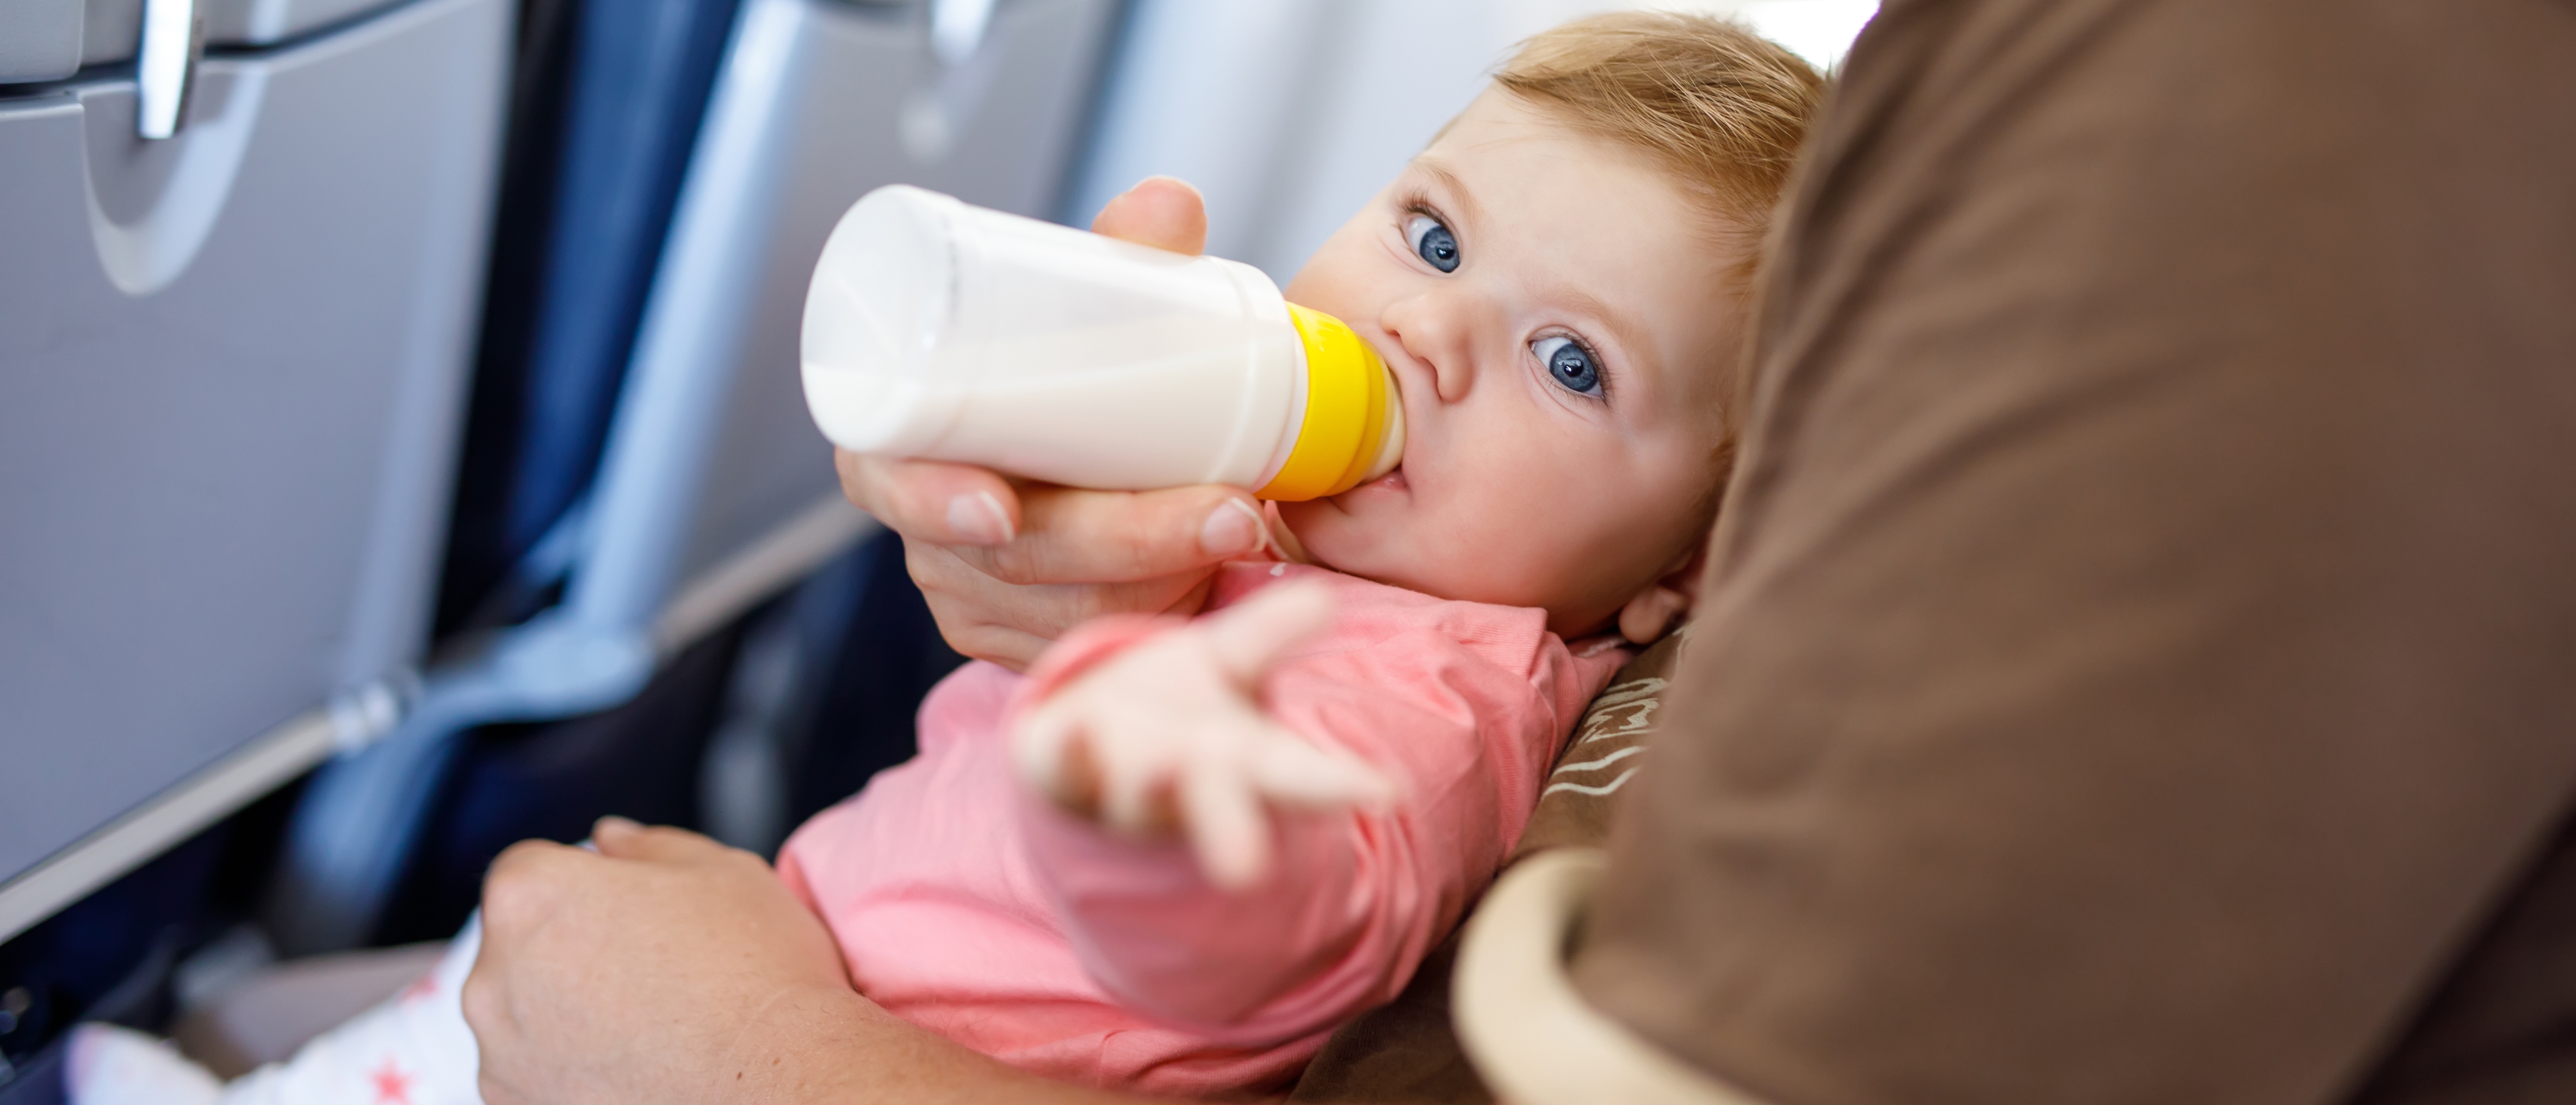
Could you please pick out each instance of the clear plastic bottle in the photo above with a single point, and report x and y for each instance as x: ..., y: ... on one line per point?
x: 938, y: 330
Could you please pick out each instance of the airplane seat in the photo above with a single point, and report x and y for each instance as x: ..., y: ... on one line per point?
x: 606, y: 103
x: 236, y: 313
x: 864, y: 652
x: 550, y: 780
x: 110, y: 957
x: 609, y: 99
x: 707, y: 494
x: 243, y: 368
x: 861, y: 717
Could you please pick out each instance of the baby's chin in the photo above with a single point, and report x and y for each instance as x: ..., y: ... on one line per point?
x: 1372, y: 538
x: 1352, y: 543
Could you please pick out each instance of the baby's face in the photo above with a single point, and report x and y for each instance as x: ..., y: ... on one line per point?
x: 1563, y: 333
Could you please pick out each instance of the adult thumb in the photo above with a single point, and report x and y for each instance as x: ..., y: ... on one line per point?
x: 1160, y: 212
x: 619, y: 838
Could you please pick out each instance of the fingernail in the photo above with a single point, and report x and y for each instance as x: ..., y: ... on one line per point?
x: 614, y: 823
x: 980, y: 519
x: 1233, y: 528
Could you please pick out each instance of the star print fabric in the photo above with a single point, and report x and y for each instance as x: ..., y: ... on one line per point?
x: 414, y: 1049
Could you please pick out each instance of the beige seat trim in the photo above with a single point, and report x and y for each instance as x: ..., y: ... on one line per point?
x: 1519, y: 1019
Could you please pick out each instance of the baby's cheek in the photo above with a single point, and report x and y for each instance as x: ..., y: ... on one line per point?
x: 1524, y: 521
x: 1564, y: 534
x: 1503, y: 540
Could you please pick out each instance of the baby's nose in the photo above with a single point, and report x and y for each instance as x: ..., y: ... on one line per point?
x: 1439, y: 331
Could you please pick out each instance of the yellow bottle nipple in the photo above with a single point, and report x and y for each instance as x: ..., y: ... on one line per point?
x: 1353, y: 430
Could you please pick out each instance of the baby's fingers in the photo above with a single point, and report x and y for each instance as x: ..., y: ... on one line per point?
x: 1227, y: 827
x: 1286, y: 769
x: 1038, y: 744
x: 1055, y: 754
x: 1250, y: 636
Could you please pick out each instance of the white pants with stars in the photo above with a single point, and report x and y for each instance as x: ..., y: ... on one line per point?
x: 413, y: 1049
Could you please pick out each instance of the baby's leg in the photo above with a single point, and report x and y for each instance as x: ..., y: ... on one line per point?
x: 412, y: 1050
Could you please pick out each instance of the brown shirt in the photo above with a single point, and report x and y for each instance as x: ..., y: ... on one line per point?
x: 2139, y: 656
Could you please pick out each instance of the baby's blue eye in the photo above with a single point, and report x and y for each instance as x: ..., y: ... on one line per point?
x: 1570, y: 363
x: 1433, y: 242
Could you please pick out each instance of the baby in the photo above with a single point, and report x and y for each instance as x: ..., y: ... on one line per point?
x: 1350, y: 737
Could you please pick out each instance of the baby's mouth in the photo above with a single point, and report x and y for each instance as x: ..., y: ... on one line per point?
x: 1393, y: 480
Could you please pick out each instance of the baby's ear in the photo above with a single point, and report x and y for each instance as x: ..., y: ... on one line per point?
x: 1653, y: 611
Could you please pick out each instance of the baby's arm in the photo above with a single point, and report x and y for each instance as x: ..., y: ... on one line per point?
x: 1168, y: 736
x: 1443, y: 701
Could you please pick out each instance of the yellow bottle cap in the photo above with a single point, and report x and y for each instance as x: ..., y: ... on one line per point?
x: 1354, y: 421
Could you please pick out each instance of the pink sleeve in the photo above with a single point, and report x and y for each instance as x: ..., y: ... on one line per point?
x: 1466, y: 717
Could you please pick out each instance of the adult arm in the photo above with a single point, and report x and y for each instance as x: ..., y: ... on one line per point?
x: 1007, y: 566
x: 2136, y: 660
x: 667, y: 968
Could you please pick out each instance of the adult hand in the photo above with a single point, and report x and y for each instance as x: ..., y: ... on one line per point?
x: 669, y: 968
x: 1008, y: 566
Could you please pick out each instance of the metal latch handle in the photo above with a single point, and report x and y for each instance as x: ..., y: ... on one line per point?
x: 957, y: 28
x: 165, y: 70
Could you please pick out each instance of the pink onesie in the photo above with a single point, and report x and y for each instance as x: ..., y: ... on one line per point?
x: 969, y: 906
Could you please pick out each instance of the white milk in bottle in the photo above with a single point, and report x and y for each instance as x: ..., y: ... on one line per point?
x: 938, y: 330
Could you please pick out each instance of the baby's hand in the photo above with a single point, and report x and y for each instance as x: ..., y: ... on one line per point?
x: 1170, y: 735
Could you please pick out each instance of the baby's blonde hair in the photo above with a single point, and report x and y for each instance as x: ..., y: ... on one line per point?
x: 1719, y: 109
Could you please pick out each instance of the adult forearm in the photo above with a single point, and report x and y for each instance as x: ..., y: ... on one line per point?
x: 812, y: 1046
x: 666, y: 968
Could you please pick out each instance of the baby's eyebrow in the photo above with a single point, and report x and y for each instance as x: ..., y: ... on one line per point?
x: 1457, y: 189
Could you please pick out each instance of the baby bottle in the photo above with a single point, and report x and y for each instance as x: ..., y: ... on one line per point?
x: 938, y: 330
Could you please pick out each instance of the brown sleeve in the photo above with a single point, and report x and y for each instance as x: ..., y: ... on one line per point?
x: 2140, y: 653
